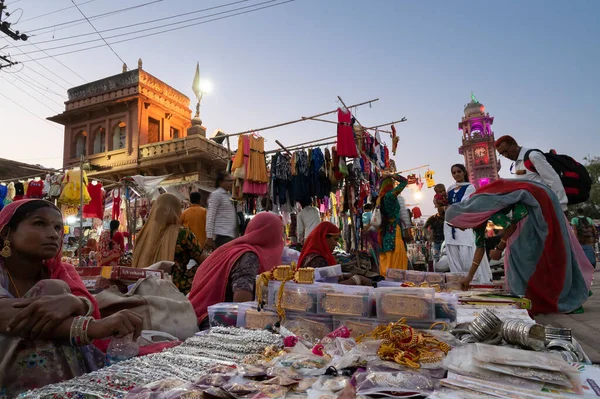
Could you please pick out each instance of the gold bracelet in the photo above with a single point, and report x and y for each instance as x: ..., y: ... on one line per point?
x: 476, y: 263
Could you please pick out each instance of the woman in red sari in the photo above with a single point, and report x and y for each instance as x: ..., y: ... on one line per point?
x: 112, y: 245
x: 41, y: 300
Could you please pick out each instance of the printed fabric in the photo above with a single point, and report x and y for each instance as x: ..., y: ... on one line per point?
x: 543, y: 260
x: 186, y: 249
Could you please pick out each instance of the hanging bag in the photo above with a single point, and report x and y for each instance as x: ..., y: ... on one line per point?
x: 376, y: 218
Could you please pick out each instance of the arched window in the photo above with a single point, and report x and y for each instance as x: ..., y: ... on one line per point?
x: 80, y: 144
x: 99, y: 140
x: 119, y: 136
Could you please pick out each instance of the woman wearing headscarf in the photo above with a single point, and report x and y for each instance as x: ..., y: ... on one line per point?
x: 164, y: 238
x: 542, y: 258
x: 41, y: 299
x: 318, y: 252
x: 392, y: 252
x: 112, y: 245
x: 460, y: 244
x: 229, y: 273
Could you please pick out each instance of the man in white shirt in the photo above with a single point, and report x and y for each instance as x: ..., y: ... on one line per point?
x: 544, y: 172
x: 308, y: 218
x: 221, y: 217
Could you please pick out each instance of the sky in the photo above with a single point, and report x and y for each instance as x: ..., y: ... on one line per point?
x: 533, y: 64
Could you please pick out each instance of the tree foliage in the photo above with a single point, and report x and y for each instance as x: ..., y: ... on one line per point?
x: 592, y: 205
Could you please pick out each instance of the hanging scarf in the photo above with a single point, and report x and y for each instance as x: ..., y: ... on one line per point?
x: 316, y: 243
x: 158, y: 238
x: 262, y: 237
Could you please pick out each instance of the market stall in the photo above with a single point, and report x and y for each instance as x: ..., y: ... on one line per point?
x: 311, y: 339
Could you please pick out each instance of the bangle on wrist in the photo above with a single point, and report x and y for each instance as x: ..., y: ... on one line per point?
x: 475, y: 263
x: 79, y: 328
x: 89, y: 305
x: 356, y: 279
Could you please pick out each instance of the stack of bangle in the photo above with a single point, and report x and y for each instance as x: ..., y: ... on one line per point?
x: 78, y: 335
x: 90, y: 307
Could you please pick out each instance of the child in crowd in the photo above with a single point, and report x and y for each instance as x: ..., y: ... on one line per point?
x: 441, y: 197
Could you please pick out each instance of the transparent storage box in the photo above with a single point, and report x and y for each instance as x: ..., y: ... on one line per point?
x: 435, y: 278
x: 296, y: 297
x: 396, y: 274
x: 328, y: 274
x: 415, y: 276
x: 345, y: 300
x: 411, y: 303
x: 358, y: 325
x: 446, y: 304
x: 309, y: 327
x: 455, y: 277
x: 223, y: 314
x: 250, y: 317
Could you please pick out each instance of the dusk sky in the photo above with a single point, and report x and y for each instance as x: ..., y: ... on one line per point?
x: 534, y: 64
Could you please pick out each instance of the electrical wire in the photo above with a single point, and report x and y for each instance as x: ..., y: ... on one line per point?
x: 46, y: 68
x: 37, y: 116
x: 41, y: 86
x: 103, y: 39
x: 26, y: 93
x: 54, y: 12
x: 97, y: 16
x: 163, y: 31
x: 61, y: 63
x: 37, y: 89
x: 141, y: 23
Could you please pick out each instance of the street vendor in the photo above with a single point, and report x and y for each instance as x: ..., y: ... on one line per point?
x: 44, y: 305
x: 542, y: 259
x: 229, y: 273
x: 318, y: 252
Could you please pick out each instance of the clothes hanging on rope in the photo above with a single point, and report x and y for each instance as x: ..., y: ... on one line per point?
x: 346, y: 145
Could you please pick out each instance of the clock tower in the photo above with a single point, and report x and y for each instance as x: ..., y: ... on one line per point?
x: 478, y: 144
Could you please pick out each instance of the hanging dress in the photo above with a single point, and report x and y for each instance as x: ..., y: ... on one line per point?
x: 346, y: 147
x: 116, y: 205
x: 19, y: 191
x: 460, y: 244
x: 95, y: 209
x: 73, y: 191
x: 35, y: 189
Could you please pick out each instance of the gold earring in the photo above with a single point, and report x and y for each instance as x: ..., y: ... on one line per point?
x: 6, y: 252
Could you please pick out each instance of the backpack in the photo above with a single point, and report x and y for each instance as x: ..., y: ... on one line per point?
x: 585, y: 230
x: 574, y: 176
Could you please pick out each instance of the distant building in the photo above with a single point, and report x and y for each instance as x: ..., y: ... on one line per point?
x: 133, y: 123
x: 478, y: 144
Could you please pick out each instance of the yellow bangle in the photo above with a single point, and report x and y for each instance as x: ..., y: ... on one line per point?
x: 475, y: 263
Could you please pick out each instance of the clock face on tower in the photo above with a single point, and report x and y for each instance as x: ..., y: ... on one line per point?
x: 481, y: 156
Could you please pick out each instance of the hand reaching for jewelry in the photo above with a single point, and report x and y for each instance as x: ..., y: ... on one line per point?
x: 118, y: 325
x: 42, y: 314
x: 464, y: 283
x: 495, y: 254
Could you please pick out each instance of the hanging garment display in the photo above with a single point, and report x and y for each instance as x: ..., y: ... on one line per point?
x: 11, y: 192
x: 281, y: 175
x: 95, y: 209
x: 429, y: 178
x: 395, y: 140
x: 35, y: 189
x: 46, y: 188
x: 419, y: 183
x: 3, y: 195
x: 346, y: 145
x: 55, y: 185
x: 19, y: 191
x: 256, y: 167
x: 73, y: 191
x: 298, y: 191
x: 116, y: 204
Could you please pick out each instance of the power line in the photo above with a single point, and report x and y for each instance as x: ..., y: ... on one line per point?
x: 104, y: 40
x: 145, y: 23
x: 35, y: 98
x: 33, y: 87
x: 37, y: 116
x: 46, y: 68
x: 163, y: 31
x: 97, y: 16
x: 41, y: 86
x: 61, y: 63
x: 54, y: 12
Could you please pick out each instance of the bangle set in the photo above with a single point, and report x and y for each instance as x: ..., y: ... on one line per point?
x: 78, y: 335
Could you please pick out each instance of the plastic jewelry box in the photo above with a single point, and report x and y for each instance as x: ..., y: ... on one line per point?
x: 345, y: 300
x: 455, y: 277
x: 249, y: 317
x: 415, y: 276
x: 396, y: 275
x: 223, y: 314
x: 296, y: 297
x: 328, y: 274
x: 412, y: 303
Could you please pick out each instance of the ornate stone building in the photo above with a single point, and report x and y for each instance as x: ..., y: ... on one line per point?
x: 133, y: 123
x: 478, y: 144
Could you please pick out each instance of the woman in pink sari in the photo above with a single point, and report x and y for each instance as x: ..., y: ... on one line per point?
x: 44, y: 304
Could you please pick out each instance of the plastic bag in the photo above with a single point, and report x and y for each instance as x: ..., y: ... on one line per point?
x: 302, y: 364
x: 376, y: 218
x: 390, y: 384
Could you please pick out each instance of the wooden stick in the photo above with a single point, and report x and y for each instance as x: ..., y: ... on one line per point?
x: 296, y: 148
x: 281, y: 145
x: 366, y: 128
x: 296, y: 121
x: 386, y: 124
